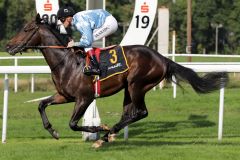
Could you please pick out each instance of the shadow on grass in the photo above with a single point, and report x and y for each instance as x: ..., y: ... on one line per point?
x: 154, y: 134
x: 156, y: 129
x: 149, y: 133
x: 132, y: 144
x: 48, y: 137
x: 148, y: 129
x: 144, y: 143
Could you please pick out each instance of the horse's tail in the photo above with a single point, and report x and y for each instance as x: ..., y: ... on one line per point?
x: 210, y: 82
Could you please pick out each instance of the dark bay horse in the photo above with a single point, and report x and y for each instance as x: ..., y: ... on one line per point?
x: 146, y: 69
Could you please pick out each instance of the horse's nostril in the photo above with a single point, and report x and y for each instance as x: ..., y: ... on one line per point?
x: 8, y: 48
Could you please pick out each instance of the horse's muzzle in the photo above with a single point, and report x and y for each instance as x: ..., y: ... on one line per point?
x: 12, y: 50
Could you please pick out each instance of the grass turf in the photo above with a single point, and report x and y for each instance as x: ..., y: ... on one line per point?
x: 184, y: 128
x: 176, y: 129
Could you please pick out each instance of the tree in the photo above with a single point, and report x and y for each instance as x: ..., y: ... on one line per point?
x: 122, y: 11
x: 202, y: 20
x: 3, y: 18
x: 232, y: 29
x: 14, y: 14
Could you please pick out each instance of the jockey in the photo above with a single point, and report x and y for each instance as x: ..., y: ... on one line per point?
x: 93, y: 25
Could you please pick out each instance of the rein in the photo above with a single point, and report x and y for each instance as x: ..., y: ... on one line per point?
x: 25, y: 46
x: 22, y: 46
x: 43, y: 47
x: 35, y: 29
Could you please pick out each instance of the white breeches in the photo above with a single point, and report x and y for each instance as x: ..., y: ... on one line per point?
x: 110, y: 26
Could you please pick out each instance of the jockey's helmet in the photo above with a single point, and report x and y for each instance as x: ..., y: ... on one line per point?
x: 65, y: 11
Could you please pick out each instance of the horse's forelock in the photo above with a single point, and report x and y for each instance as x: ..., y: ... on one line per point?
x: 38, y: 19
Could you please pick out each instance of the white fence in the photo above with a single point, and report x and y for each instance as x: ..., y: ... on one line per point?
x: 15, y: 70
x: 202, y: 55
x: 94, y: 116
x: 173, y: 55
x: 198, y: 67
x: 15, y: 63
x: 214, y: 67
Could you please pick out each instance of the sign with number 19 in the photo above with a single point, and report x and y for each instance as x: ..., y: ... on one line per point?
x: 141, y: 24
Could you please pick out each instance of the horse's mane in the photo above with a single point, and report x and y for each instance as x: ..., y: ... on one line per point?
x: 62, y: 38
x: 73, y: 58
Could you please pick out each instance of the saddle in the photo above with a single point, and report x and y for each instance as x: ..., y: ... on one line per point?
x: 112, y: 61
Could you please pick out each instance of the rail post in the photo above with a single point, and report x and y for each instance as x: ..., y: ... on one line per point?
x: 32, y: 83
x: 15, y: 76
x: 5, y: 109
x: 221, y: 110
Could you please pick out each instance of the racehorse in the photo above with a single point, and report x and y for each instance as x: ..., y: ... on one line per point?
x: 147, y: 68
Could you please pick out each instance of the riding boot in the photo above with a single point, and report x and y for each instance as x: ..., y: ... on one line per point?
x: 94, y: 68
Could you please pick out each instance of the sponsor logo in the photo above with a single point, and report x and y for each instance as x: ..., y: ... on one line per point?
x: 115, y: 66
x: 102, y: 31
x: 65, y: 10
x: 47, y: 6
x: 144, y: 8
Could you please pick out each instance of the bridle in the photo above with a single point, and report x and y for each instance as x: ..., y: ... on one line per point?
x: 24, y: 45
x: 34, y: 28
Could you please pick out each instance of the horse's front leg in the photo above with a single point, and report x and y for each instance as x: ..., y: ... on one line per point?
x: 55, y: 99
x: 79, y: 110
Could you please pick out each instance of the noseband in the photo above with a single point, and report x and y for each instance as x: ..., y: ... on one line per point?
x: 23, y: 45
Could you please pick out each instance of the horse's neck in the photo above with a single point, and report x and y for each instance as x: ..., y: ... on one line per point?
x: 57, y: 59
x: 54, y: 57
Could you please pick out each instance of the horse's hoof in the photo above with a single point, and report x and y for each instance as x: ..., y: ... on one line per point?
x: 105, y: 127
x: 112, y: 137
x: 98, y: 144
x: 53, y: 133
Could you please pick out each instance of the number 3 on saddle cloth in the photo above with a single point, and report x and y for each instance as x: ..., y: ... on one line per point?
x: 112, y: 61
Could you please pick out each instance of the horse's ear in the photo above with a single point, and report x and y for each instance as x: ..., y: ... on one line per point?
x: 38, y: 19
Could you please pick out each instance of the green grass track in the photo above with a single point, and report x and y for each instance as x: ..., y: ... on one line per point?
x: 184, y: 128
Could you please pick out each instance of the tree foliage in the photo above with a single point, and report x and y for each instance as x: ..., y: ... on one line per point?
x: 205, y: 15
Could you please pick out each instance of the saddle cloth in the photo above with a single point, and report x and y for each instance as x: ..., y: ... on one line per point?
x: 112, y: 61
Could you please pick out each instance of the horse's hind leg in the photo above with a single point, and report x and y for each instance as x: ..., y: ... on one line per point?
x: 134, y: 110
x: 55, y: 99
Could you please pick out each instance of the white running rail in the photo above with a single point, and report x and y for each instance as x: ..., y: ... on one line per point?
x: 199, y: 67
